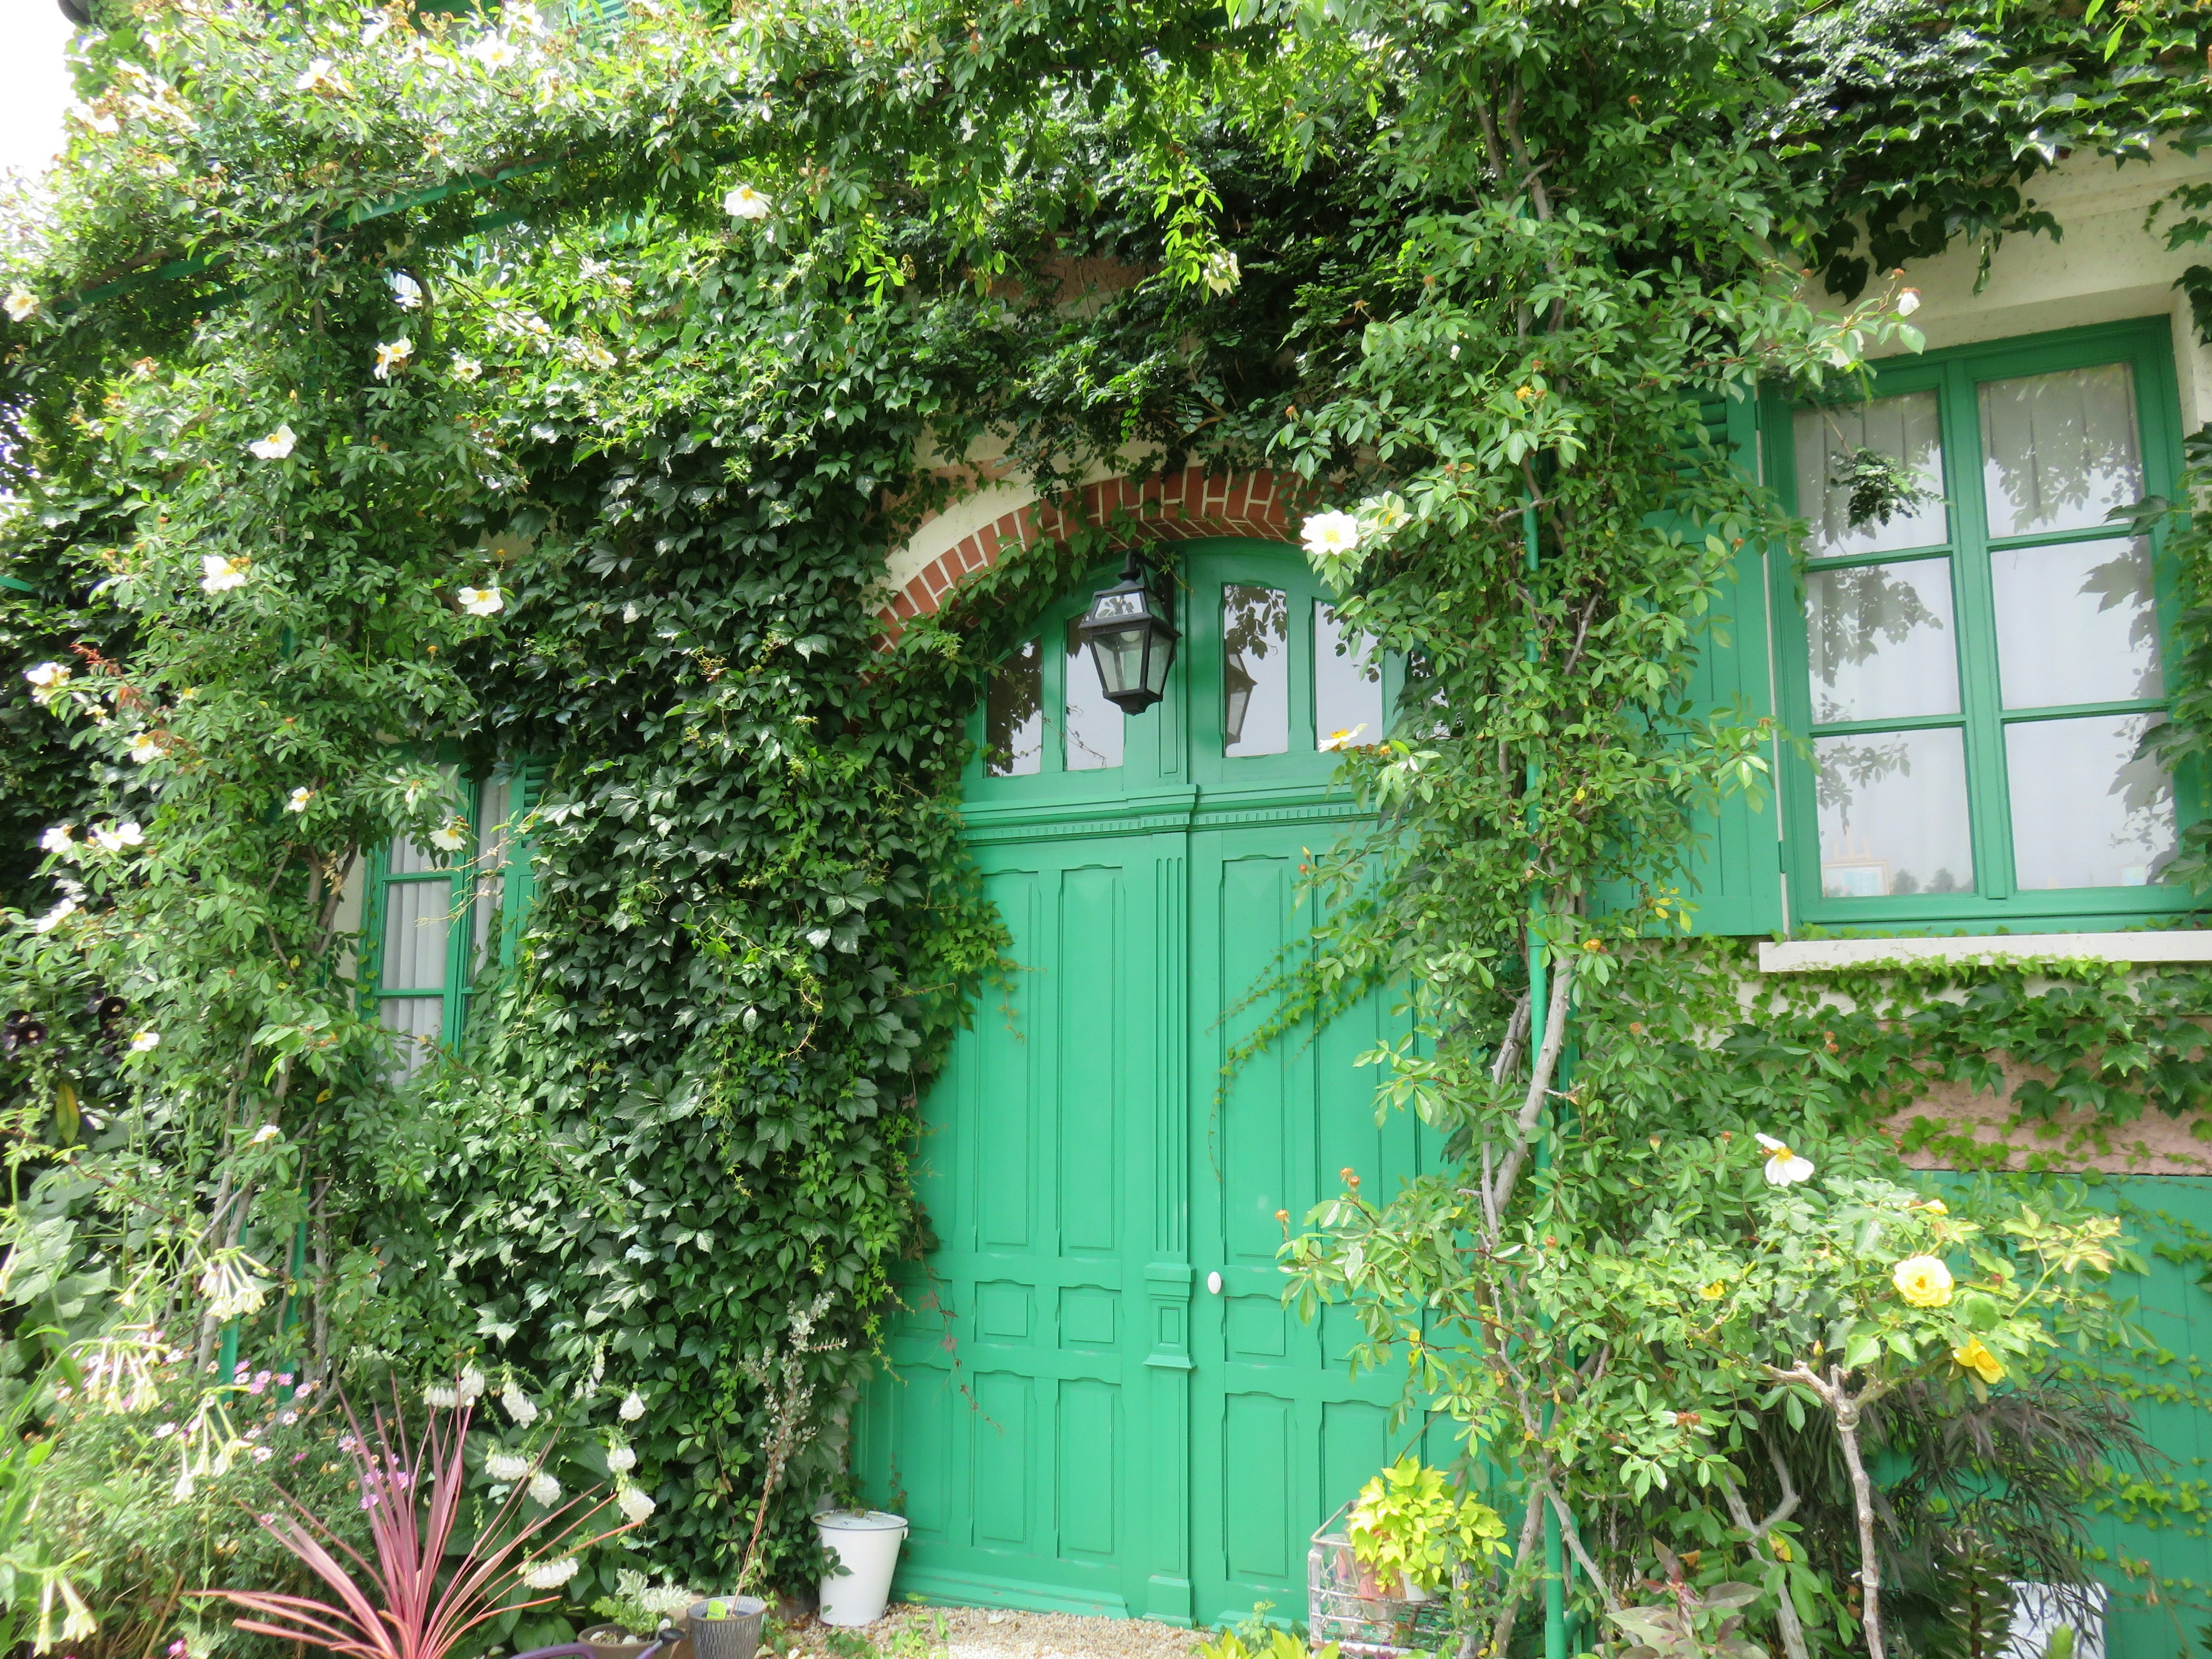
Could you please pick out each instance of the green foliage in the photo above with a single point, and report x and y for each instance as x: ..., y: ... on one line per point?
x: 397, y: 398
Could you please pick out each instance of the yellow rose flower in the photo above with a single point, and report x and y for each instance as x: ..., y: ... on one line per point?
x: 1979, y: 1361
x: 1935, y: 1206
x: 1923, y: 1281
x: 1714, y: 1291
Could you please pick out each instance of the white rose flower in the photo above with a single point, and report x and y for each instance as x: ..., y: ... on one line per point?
x: 1908, y: 303
x: 22, y: 305
x: 632, y: 1407
x: 320, y: 76
x: 57, y: 840
x: 406, y: 291
x: 46, y: 676
x: 621, y: 1459
x: 1783, y: 1167
x: 298, y: 800
x: 265, y: 1134
x: 545, y: 1490
x: 466, y: 370
x: 276, y: 446
x: 1330, y: 532
x: 450, y: 837
x: 55, y: 917
x: 745, y: 203
x: 493, y: 52
x: 506, y: 1466
x: 634, y: 1503
x: 145, y: 751
x: 145, y: 1043
x: 391, y: 354
x: 519, y: 1406
x: 481, y: 601
x: 219, y: 574
x: 550, y: 1575
x: 115, y: 838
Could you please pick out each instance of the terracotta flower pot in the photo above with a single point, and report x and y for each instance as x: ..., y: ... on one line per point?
x: 612, y: 1642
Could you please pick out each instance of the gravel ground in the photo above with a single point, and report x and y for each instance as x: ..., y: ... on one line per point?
x: 1002, y: 1633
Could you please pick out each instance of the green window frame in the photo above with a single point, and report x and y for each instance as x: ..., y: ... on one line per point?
x: 1972, y: 782
x: 438, y: 923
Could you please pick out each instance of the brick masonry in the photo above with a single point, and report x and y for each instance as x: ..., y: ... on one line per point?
x: 1180, y: 508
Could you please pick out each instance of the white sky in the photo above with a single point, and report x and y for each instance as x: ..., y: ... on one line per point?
x: 34, y: 84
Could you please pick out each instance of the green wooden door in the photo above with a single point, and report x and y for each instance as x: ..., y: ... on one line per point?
x: 1282, y: 1433
x: 1072, y: 1415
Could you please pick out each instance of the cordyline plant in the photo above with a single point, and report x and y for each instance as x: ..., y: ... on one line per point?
x: 408, y: 1602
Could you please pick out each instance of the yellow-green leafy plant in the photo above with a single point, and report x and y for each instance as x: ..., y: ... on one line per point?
x: 1410, y: 1524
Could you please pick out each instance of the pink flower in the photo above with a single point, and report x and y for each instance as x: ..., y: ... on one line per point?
x: 288, y: 1419
x: 177, y: 1649
x: 262, y: 1454
x: 284, y: 1378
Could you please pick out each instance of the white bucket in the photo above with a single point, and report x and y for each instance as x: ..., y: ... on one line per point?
x: 868, y: 1545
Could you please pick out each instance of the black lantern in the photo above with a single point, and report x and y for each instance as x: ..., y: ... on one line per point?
x: 1132, y: 641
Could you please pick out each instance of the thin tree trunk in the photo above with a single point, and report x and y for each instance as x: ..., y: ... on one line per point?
x: 1540, y: 1088
x: 1502, y: 1631
x: 1793, y: 1631
x: 1847, y: 1431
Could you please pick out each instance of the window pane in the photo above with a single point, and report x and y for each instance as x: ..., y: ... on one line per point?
x: 1904, y: 428
x: 1013, y: 713
x: 1347, y: 684
x: 1892, y: 809
x: 493, y: 804
x: 421, y: 1024
x: 417, y: 920
x: 2085, y: 812
x: 1255, y: 671
x: 2075, y: 623
x: 2059, y: 451
x: 1879, y: 640
x: 1093, y: 731
x: 406, y: 859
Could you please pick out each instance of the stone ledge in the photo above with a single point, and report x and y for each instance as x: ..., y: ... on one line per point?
x: 1813, y: 954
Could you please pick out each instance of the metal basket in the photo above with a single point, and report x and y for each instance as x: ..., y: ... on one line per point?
x: 1344, y: 1604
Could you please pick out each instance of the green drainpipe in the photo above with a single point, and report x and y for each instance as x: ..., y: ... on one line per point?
x: 1555, y: 1581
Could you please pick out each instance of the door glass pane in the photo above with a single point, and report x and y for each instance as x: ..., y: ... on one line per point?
x: 2075, y: 623
x: 2059, y: 451
x: 420, y: 1022
x: 1347, y: 684
x: 1093, y: 730
x: 1893, y: 811
x: 2086, y: 812
x: 417, y: 916
x: 1013, y: 715
x: 1255, y: 671
x: 1826, y: 440
x: 1878, y: 640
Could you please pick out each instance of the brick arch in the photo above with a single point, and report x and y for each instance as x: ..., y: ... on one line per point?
x: 1179, y: 507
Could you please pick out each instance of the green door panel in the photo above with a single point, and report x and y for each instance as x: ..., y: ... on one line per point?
x: 1069, y: 1417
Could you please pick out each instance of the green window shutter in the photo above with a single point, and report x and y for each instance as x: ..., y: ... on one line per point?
x: 518, y: 880
x: 1735, y: 866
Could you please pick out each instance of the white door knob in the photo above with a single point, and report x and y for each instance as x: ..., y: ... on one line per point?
x: 1214, y: 1281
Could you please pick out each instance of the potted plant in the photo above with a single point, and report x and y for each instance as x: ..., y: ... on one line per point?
x: 1409, y: 1530
x: 635, y: 1614
x: 726, y: 1626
